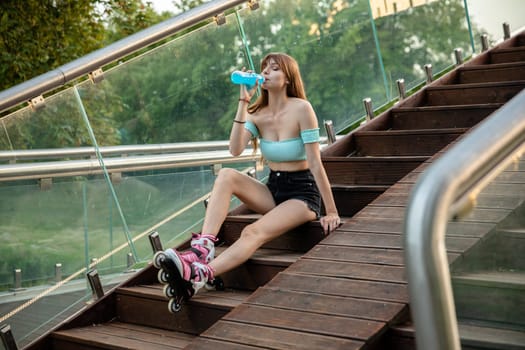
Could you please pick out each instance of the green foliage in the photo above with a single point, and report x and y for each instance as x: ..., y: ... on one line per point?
x: 38, y: 36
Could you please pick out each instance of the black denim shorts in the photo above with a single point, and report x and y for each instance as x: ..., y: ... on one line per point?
x: 300, y: 185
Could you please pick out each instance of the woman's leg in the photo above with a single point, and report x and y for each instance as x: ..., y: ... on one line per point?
x: 274, y: 223
x: 230, y: 182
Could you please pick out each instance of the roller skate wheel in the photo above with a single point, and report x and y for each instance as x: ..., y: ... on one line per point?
x: 169, y: 292
x: 174, y: 306
x: 163, y: 276
x: 158, y: 258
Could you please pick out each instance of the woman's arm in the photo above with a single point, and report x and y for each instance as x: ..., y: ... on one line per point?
x: 331, y: 219
x: 239, y: 136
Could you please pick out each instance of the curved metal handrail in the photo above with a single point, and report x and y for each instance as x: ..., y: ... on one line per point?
x: 111, y: 53
x: 491, y: 145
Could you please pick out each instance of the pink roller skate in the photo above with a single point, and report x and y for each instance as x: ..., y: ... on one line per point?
x: 181, y: 278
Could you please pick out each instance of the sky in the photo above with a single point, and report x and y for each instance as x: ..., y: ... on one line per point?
x: 163, y: 5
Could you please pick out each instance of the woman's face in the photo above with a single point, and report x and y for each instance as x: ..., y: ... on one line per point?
x: 274, y: 77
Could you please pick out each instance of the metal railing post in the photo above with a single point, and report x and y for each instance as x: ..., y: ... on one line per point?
x: 367, y: 102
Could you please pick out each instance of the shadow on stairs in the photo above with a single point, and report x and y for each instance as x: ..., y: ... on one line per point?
x: 307, y: 291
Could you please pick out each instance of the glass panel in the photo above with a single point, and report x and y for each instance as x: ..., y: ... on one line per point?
x: 57, y: 124
x: 493, y: 267
x: 333, y: 44
x: 425, y: 33
x: 178, y: 92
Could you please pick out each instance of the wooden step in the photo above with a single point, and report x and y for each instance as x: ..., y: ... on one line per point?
x: 520, y: 40
x: 370, y: 170
x: 506, y: 55
x: 146, y: 305
x: 350, y: 199
x: 118, y: 335
x: 475, y: 293
x: 425, y: 142
x: 492, y: 73
x: 472, y: 336
x: 264, y: 265
x: 478, y: 93
x: 440, y: 117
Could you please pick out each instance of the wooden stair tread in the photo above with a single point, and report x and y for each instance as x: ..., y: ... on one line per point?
x: 508, y: 49
x: 446, y: 108
x: 475, y: 85
x: 493, y: 66
x: 224, y: 334
x: 377, y: 159
x: 270, y: 256
x: 225, y: 299
x: 376, y: 133
x: 117, y: 335
x: 357, y: 188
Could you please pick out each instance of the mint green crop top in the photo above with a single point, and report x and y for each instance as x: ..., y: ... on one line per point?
x: 286, y: 150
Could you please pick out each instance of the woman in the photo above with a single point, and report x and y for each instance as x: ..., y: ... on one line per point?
x: 286, y: 126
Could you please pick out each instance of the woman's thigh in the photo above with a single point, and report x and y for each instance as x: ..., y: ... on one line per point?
x: 283, y: 218
x: 252, y: 192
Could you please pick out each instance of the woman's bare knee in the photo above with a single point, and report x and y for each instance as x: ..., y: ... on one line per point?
x: 226, y: 177
x: 253, y: 234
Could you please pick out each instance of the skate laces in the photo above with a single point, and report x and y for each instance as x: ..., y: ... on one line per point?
x: 203, y: 246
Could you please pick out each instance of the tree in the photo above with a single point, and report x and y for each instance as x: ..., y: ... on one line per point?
x: 37, y: 36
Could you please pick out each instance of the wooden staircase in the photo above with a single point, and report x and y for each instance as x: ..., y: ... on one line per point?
x: 345, y: 291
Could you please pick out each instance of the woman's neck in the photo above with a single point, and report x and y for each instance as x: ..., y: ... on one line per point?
x: 277, y: 101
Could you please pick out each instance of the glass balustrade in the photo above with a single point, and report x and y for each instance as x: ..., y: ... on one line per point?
x: 493, y: 269
x: 54, y: 230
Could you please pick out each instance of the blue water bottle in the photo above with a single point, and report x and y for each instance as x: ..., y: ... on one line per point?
x: 246, y: 78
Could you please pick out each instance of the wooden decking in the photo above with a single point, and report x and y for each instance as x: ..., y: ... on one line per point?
x: 307, y: 291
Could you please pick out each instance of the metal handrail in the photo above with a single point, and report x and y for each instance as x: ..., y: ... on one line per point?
x: 111, y: 53
x: 85, y: 152
x: 453, y: 179
x: 84, y: 167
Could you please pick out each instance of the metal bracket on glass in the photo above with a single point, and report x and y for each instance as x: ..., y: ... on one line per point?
x: 458, y: 54
x: 116, y: 178
x: 130, y: 261
x: 253, y: 4
x: 428, y: 72
x: 330, y: 133
x: 484, y: 42
x: 7, y: 337
x: 45, y: 183
x: 17, y: 279
x: 506, y: 31
x: 367, y: 102
x: 401, y: 89
x: 220, y: 19
x: 58, y: 272
x: 96, y: 76
x: 94, y: 282
x: 154, y: 240
x: 37, y: 103
x: 215, y: 168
